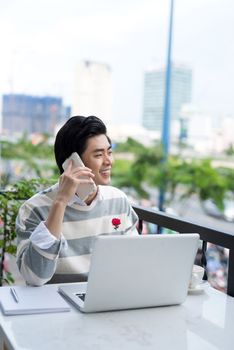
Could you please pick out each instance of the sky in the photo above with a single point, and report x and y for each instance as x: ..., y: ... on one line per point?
x: 42, y: 42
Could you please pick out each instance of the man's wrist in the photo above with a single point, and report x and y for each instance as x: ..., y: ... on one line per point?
x: 60, y: 202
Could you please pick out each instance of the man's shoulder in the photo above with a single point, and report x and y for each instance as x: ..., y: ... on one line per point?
x: 42, y: 197
x: 111, y: 192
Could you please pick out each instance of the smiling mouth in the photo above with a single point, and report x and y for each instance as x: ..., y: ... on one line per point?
x: 105, y: 172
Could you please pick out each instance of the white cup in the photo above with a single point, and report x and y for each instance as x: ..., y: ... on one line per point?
x: 196, y: 277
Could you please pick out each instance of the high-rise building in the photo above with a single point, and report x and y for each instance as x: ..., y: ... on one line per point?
x: 154, y: 88
x: 93, y: 90
x: 24, y: 113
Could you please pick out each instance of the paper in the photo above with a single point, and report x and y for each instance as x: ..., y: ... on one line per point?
x: 32, y: 300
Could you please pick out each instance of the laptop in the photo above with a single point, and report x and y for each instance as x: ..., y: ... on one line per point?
x: 128, y: 272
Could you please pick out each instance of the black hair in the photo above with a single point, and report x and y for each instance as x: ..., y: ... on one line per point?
x: 73, y: 136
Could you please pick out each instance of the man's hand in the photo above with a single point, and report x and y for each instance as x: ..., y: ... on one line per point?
x: 70, y: 180
x: 68, y: 183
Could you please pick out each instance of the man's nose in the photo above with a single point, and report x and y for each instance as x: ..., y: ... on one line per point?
x: 108, y: 159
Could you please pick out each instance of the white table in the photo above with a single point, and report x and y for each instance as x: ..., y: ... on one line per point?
x: 204, y: 321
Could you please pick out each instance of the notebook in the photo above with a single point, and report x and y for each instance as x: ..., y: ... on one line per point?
x: 20, y: 300
x: 128, y: 272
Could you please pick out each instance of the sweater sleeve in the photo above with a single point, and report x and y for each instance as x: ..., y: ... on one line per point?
x: 36, y: 265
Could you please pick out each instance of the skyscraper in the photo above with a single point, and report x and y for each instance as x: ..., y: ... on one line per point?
x: 25, y: 113
x: 93, y: 90
x: 154, y: 86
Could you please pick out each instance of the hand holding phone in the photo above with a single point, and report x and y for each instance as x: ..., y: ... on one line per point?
x: 84, y: 189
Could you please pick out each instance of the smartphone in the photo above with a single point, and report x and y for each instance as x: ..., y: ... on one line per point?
x: 83, y: 190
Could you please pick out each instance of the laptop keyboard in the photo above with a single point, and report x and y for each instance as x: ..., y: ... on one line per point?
x: 81, y: 296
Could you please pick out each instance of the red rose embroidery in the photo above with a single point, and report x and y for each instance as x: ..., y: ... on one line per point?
x: 116, y: 222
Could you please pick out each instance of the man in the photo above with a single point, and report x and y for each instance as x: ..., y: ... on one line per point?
x: 55, y: 228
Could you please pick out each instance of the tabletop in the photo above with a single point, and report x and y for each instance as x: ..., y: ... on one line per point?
x: 204, y: 321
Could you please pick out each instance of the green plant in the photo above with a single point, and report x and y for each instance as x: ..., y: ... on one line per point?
x: 10, y: 201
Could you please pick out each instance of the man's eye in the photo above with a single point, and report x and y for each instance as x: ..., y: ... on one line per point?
x: 98, y: 155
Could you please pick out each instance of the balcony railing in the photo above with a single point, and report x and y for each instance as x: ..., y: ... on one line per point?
x: 207, y: 234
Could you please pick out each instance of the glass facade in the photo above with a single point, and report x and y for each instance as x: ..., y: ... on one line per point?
x: 154, y: 86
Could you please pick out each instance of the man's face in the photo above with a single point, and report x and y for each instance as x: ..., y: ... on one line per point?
x: 98, y: 157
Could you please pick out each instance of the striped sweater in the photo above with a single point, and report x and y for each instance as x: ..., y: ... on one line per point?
x: 69, y: 262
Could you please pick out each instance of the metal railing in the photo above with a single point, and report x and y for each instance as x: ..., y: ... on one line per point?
x: 207, y: 234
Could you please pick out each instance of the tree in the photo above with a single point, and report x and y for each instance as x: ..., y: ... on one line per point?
x: 191, y: 176
x: 38, y: 159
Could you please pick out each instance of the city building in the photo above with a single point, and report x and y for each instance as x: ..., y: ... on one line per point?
x: 200, y: 139
x: 214, y: 137
x: 154, y: 86
x: 93, y: 90
x: 121, y: 132
x: 31, y: 114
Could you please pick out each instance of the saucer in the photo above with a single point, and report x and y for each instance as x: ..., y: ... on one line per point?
x: 199, y: 288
